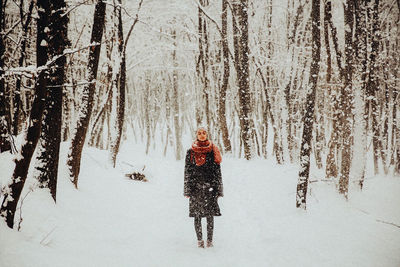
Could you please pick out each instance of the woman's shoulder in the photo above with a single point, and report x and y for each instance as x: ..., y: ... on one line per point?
x: 188, y: 152
x: 217, y: 154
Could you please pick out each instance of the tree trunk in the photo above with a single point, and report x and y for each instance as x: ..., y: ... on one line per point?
x: 177, y: 126
x: 22, y: 162
x: 4, y: 119
x: 147, y: 110
x: 346, y: 101
x: 308, y: 118
x: 121, y: 90
x: 202, y: 66
x: 360, y: 125
x: 225, y: 79
x: 373, y: 85
x: 97, y: 128
x: 334, y: 140
x: 242, y: 71
x: 396, y: 130
x: 51, y: 126
x: 78, y: 140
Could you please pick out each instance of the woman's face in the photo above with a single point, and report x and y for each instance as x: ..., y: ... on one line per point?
x: 201, y: 135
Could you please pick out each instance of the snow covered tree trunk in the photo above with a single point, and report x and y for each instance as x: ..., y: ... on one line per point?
x: 360, y: 125
x: 396, y: 132
x: 78, y: 139
x: 4, y: 119
x: 397, y: 151
x: 120, y: 95
x: 308, y: 118
x: 334, y: 140
x: 97, y: 128
x: 147, y: 111
x: 327, y: 13
x: 202, y: 66
x: 177, y: 126
x: 267, y: 110
x: 292, y: 76
x: 346, y: 101
x: 22, y: 162
x: 373, y: 84
x: 51, y: 125
x: 168, y: 138
x: 242, y: 72
x: 225, y: 78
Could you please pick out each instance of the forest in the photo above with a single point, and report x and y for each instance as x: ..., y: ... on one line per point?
x: 309, y: 83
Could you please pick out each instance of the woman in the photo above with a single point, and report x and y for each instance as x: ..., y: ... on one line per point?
x: 203, y: 183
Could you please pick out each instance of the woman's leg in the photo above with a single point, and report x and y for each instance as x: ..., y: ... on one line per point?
x: 210, y: 228
x: 197, y: 227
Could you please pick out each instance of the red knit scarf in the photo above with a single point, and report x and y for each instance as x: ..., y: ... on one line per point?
x: 201, y: 148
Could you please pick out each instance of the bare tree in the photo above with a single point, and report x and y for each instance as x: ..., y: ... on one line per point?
x: 331, y: 169
x: 373, y: 83
x: 225, y: 78
x: 346, y: 100
x: 177, y: 126
x: 308, y: 118
x: 78, y: 140
x: 241, y: 36
x: 120, y: 89
x: 202, y: 65
x: 360, y: 70
x: 51, y: 125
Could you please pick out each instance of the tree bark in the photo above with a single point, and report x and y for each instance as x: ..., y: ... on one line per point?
x: 242, y: 70
x: 346, y: 100
x: 202, y: 66
x: 78, y: 140
x: 121, y: 89
x: 373, y: 85
x: 51, y: 126
x: 175, y: 85
x: 147, y: 110
x: 225, y: 79
x: 331, y: 159
x: 308, y: 118
x: 360, y: 125
x: 4, y: 115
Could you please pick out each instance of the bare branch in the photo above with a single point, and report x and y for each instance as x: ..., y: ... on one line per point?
x: 133, y: 25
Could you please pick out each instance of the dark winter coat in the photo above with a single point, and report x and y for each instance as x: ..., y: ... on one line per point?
x: 203, y: 184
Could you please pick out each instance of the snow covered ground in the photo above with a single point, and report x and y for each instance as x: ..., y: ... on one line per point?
x: 114, y: 221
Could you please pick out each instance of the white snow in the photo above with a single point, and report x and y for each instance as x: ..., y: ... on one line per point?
x: 113, y: 221
x: 43, y: 43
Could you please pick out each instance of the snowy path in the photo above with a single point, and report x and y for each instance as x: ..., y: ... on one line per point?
x: 112, y: 221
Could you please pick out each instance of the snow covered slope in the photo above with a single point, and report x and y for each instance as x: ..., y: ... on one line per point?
x: 114, y: 221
